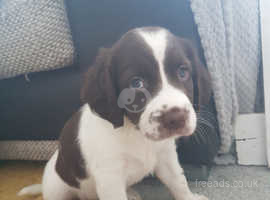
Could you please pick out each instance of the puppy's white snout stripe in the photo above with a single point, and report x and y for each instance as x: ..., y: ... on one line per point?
x: 31, y: 190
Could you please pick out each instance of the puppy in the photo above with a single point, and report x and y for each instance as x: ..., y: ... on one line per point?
x: 138, y: 99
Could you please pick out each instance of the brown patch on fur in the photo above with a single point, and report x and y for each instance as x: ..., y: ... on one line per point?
x: 132, y: 57
x: 181, y: 52
x: 100, y: 91
x: 111, y: 73
x: 70, y: 164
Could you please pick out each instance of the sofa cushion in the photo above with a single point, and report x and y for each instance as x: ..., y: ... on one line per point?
x: 38, y: 109
x: 34, y: 36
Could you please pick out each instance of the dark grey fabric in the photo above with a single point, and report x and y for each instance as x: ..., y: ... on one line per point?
x: 99, y: 23
x: 37, y: 109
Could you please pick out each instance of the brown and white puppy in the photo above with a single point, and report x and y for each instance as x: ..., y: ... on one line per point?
x: 138, y: 99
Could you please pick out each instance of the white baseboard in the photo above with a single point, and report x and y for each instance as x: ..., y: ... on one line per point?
x: 250, y: 135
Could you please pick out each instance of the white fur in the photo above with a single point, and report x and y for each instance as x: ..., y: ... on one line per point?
x: 53, y: 187
x: 117, y: 158
x: 157, y: 41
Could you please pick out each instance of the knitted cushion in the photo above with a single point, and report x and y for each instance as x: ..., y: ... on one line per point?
x: 27, y: 150
x: 34, y: 36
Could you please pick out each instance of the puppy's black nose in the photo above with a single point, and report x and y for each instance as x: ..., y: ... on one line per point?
x: 175, y: 118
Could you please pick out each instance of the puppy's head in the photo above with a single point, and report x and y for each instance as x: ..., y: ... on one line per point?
x: 149, y: 76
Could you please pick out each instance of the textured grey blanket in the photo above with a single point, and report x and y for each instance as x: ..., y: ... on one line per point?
x: 34, y: 36
x: 229, y: 32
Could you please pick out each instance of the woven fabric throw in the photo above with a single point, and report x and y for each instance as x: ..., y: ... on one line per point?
x: 230, y: 37
x: 34, y: 36
x: 27, y: 150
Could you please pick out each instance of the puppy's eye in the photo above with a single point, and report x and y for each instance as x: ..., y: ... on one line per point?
x: 183, y: 73
x: 136, y: 83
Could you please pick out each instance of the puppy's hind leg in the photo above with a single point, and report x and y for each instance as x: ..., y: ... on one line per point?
x: 53, y: 187
x: 58, y: 193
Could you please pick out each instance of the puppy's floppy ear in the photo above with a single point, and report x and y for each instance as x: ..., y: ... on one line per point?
x: 200, y: 76
x: 99, y: 89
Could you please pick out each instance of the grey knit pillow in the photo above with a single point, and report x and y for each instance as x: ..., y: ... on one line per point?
x: 34, y: 36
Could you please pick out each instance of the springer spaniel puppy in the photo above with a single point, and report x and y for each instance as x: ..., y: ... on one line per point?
x: 138, y: 99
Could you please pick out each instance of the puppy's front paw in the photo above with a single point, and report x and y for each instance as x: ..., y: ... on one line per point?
x: 197, y: 197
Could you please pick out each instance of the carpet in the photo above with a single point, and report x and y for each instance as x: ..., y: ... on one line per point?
x: 224, y: 183
x: 14, y: 175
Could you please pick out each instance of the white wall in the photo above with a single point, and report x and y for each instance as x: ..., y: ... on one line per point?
x: 265, y: 24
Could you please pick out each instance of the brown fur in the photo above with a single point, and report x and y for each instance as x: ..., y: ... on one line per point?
x: 70, y: 164
x: 99, y: 89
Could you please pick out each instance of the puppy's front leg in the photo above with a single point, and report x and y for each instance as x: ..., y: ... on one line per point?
x: 169, y: 171
x: 110, y: 186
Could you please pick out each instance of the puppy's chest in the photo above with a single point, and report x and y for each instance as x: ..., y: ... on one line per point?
x: 139, y: 162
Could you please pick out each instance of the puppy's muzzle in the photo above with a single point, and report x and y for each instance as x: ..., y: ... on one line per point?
x: 174, y: 119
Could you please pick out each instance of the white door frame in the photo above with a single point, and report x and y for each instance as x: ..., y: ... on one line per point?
x: 265, y: 30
